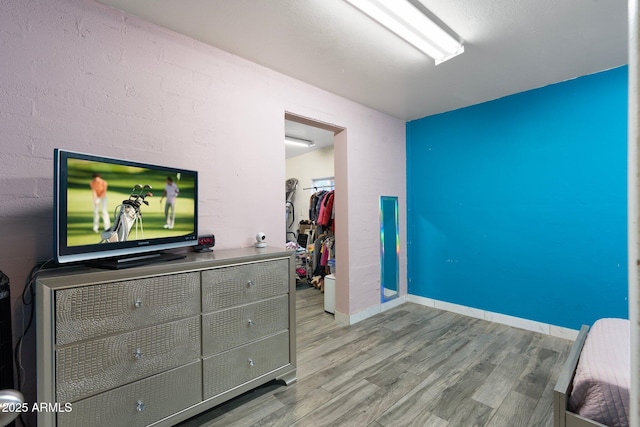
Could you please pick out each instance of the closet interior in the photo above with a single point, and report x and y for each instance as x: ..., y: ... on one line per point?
x: 315, y: 256
x: 309, y: 204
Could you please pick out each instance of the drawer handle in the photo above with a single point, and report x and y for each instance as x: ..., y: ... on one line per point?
x: 250, y: 283
x: 251, y: 362
x: 139, y: 406
x: 138, y: 303
x: 251, y: 322
x: 138, y: 354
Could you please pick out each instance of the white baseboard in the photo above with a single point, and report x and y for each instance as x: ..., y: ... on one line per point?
x: 393, y: 303
x: 516, y: 322
x: 504, y: 319
x: 345, y: 319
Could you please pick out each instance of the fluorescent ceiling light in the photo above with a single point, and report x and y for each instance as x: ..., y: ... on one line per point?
x: 298, y: 141
x: 408, y: 22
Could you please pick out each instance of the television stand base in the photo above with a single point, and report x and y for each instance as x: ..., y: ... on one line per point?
x: 134, y: 261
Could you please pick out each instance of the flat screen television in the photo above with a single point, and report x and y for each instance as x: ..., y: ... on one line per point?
x: 118, y: 213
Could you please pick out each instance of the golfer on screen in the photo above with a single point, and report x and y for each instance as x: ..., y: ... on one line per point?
x: 170, y: 192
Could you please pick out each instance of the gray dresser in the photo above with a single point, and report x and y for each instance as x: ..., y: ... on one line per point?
x: 157, y: 344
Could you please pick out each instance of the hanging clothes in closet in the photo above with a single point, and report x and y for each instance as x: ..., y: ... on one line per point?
x: 324, y: 250
x: 326, y: 213
x: 314, y: 204
x: 322, y: 212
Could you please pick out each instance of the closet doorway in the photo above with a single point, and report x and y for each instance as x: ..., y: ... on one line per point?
x: 309, y: 189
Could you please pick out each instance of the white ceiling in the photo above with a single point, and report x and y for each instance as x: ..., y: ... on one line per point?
x: 510, y: 46
x: 321, y: 138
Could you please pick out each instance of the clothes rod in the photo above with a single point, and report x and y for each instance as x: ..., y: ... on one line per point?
x: 319, y: 186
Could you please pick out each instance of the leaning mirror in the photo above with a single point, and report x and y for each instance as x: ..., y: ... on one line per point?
x: 389, y: 248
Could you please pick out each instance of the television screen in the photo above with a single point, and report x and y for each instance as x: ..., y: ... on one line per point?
x: 106, y: 207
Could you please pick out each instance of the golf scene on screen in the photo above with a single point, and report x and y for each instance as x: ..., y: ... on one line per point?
x: 96, y: 191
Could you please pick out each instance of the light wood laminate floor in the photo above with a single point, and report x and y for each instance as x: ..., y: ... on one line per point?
x: 409, y: 366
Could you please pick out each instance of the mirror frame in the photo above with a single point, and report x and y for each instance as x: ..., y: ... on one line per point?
x: 390, y: 239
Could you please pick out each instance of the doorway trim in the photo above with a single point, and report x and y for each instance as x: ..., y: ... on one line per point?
x: 341, y: 208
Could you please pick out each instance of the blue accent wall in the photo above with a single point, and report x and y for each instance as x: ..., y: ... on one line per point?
x: 518, y: 205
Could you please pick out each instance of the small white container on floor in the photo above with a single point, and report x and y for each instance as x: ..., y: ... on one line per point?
x: 330, y: 293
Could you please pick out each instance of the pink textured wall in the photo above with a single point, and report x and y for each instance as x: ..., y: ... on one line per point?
x: 80, y: 76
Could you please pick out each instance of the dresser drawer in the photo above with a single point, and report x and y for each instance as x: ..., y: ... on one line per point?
x: 140, y: 403
x: 240, y: 284
x: 93, y: 366
x: 232, y: 327
x: 232, y: 368
x: 91, y: 311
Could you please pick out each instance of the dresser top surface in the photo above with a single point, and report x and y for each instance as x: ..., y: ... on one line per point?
x: 68, y: 276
